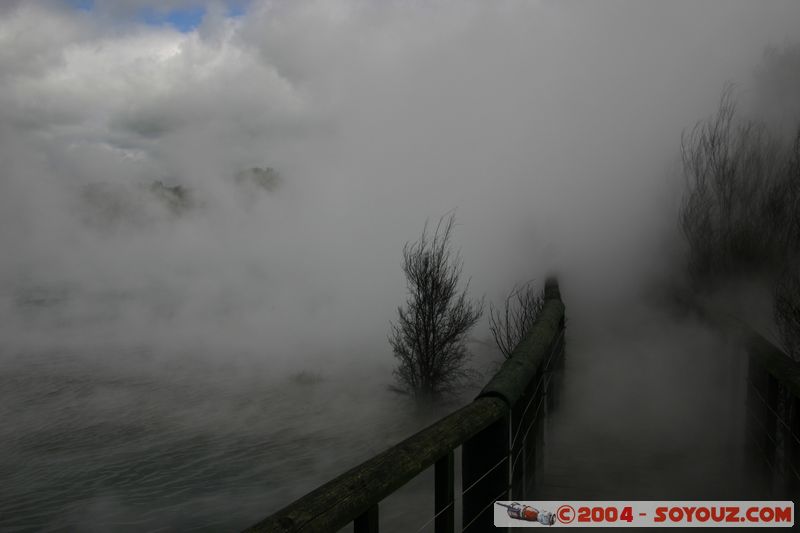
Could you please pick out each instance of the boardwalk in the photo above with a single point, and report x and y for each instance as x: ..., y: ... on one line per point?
x: 650, y: 409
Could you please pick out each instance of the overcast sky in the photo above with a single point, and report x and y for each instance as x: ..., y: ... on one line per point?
x: 552, y: 127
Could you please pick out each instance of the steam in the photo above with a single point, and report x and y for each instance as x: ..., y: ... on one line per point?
x: 550, y: 127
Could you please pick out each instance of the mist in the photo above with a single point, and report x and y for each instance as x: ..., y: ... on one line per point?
x: 551, y: 128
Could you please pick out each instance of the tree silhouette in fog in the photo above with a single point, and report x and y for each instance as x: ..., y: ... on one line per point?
x: 740, y: 214
x: 510, y: 325
x: 429, y: 337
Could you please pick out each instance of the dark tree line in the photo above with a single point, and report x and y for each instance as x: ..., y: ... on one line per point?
x: 740, y: 214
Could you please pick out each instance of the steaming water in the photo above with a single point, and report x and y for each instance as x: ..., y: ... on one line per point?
x: 134, y: 442
x: 139, y: 445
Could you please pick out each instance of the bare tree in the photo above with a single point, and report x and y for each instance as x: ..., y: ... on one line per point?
x: 513, y: 323
x: 429, y: 338
x: 740, y: 196
x: 741, y: 211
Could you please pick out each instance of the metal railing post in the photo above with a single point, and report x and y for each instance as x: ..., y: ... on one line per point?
x: 484, y: 475
x: 367, y: 522
x: 792, y: 456
x: 444, y: 494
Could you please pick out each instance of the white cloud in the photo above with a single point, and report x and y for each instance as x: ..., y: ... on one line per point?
x: 547, y: 124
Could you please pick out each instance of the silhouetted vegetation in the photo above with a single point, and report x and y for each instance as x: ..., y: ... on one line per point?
x: 110, y: 204
x: 739, y: 214
x: 513, y: 323
x: 429, y: 338
x: 741, y: 211
x: 176, y: 198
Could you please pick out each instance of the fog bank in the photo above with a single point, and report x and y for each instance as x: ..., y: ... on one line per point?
x: 551, y: 127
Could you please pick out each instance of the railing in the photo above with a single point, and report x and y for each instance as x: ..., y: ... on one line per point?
x: 773, y: 414
x: 497, y: 433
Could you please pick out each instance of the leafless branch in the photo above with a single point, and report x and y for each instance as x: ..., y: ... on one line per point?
x: 512, y: 324
x: 429, y: 338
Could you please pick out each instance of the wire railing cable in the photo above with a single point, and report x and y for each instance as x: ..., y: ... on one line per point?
x: 530, y: 426
x: 437, y: 515
x: 774, y: 443
x: 556, y: 348
x: 777, y: 416
x: 490, y: 504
